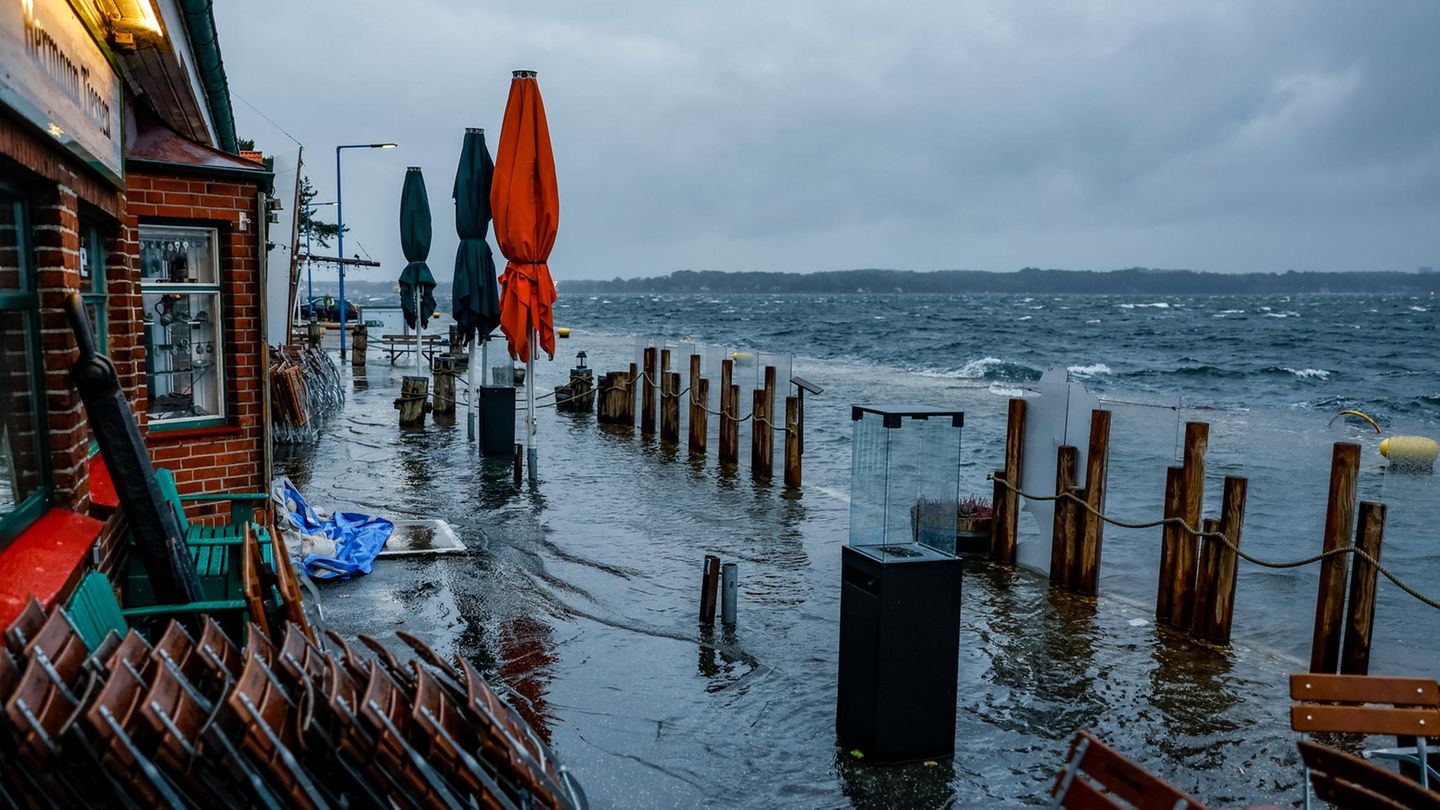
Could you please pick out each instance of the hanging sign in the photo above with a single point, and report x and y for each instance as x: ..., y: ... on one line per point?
x: 54, y: 75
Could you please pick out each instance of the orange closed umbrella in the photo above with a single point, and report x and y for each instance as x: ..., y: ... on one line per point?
x: 526, y: 206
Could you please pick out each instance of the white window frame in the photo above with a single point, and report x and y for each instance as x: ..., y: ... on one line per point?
x: 212, y: 288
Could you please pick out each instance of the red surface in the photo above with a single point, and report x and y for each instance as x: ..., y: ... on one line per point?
x: 525, y: 202
x: 161, y: 436
x: 42, y: 560
x: 102, y: 488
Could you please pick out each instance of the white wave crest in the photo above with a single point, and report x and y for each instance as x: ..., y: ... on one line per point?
x: 1024, y: 318
x: 1418, y: 309
x: 1309, y: 373
x: 1001, y: 390
x: 1090, y: 370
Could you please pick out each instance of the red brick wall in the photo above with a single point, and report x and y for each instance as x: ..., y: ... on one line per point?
x: 226, y: 458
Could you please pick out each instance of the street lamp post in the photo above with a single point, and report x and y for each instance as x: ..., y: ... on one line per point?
x: 310, y: 259
x: 340, y: 218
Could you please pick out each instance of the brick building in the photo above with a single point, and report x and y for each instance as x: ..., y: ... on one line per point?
x: 120, y: 179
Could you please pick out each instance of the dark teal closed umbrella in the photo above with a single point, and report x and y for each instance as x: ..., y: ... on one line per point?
x: 477, y: 296
x: 415, y: 242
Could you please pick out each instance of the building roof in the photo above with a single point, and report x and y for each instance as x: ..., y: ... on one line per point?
x: 150, y: 140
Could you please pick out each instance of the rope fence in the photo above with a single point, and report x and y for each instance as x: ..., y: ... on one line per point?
x: 1180, y: 522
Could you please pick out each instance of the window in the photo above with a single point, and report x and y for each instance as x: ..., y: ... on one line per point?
x: 180, y: 286
x: 24, y: 460
x: 92, y: 281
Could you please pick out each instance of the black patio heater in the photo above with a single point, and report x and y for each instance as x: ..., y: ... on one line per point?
x: 900, y: 586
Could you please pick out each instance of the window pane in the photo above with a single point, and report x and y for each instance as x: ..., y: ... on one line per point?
x: 11, y: 277
x: 183, y: 355
x: 92, y: 259
x: 174, y: 255
x: 19, y: 445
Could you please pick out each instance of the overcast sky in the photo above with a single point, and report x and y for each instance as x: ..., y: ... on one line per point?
x: 923, y: 135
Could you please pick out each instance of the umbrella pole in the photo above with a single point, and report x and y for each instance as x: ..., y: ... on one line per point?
x: 470, y: 390
x: 419, y: 325
x: 530, y: 454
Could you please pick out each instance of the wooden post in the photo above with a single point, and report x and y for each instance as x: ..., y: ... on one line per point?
x: 647, y: 399
x: 792, y: 442
x: 1339, y: 523
x: 762, y: 430
x: 709, y: 581
x: 444, y: 385
x: 1086, y: 570
x: 700, y: 419
x: 413, y: 401
x: 1206, y: 571
x: 613, y: 391
x: 634, y: 377
x: 1164, y: 592
x: 729, y: 428
x: 1232, y: 521
x: 761, y: 464
x: 359, y: 341
x: 697, y: 426
x: 1007, y: 509
x: 1192, y: 492
x: 312, y: 333
x: 1360, y: 616
x: 1062, y: 535
x: 670, y: 407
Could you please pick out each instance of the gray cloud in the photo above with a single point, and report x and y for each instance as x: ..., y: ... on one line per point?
x: 819, y: 135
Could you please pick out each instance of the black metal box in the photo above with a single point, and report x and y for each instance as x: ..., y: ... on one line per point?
x: 899, y: 654
x: 497, y: 420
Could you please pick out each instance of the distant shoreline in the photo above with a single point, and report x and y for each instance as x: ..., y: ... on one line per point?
x: 1031, y: 281
x: 1133, y: 281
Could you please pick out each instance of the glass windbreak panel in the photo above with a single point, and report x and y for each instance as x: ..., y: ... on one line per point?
x: 183, y: 354
x: 930, y: 479
x: 177, y: 255
x: 20, y: 445
x: 869, y: 465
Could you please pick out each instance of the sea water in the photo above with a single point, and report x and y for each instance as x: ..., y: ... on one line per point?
x: 581, y: 594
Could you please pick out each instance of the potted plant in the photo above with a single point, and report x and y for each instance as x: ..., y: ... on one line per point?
x: 972, y: 517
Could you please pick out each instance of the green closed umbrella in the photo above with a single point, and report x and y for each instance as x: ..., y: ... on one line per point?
x: 416, y: 281
x: 477, y: 296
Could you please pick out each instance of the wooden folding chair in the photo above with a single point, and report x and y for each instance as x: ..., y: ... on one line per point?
x: 1097, y: 776
x: 503, y: 736
x: 109, y: 720
x: 263, y: 717
x: 386, y: 713
x: 257, y: 640
x: 63, y: 647
x: 218, y: 660
x: 1350, y: 783
x: 134, y: 650
x: 299, y: 661
x: 441, y: 738
x: 292, y: 606
x: 251, y: 581
x: 397, y: 671
x: 25, y: 626
x: 1369, y: 704
x: 355, y: 666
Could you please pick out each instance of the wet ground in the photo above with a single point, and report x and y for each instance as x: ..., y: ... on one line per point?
x: 579, y: 593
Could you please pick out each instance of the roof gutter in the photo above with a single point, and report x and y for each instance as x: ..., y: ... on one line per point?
x: 205, y: 44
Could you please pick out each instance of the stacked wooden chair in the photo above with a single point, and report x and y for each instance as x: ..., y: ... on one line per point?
x: 189, y: 718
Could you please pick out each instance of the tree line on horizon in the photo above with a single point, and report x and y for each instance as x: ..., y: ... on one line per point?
x: 1136, y: 280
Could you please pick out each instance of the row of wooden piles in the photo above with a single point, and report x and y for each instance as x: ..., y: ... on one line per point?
x: 1198, y: 572
x: 187, y: 722
x: 659, y: 412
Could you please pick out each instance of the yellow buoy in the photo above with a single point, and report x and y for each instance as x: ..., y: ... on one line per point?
x: 563, y: 331
x: 1410, y: 452
x: 743, y: 357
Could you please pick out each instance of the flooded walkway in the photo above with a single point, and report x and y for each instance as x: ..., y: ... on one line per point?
x: 580, y: 595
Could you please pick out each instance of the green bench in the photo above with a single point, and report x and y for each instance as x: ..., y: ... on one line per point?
x: 216, y: 550
x: 95, y: 612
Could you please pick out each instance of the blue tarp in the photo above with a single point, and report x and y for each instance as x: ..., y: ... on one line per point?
x: 358, y: 538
